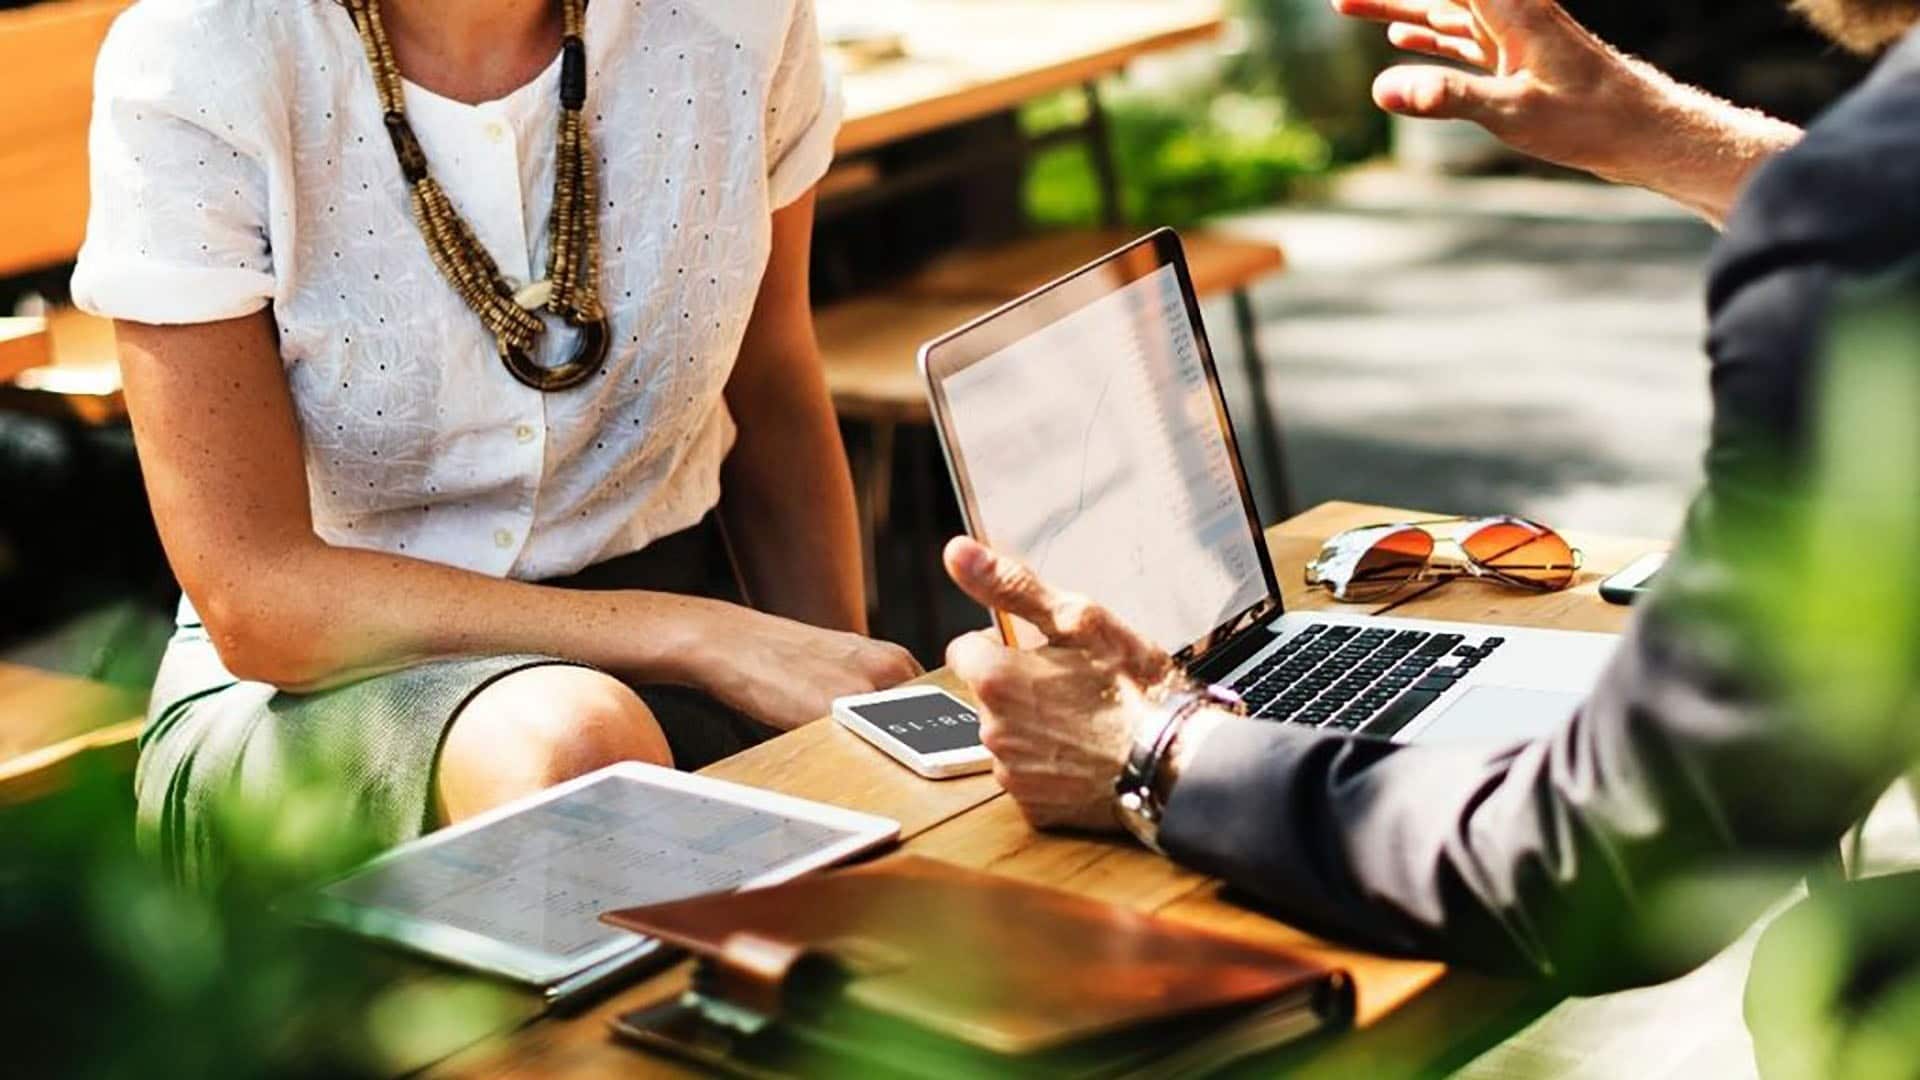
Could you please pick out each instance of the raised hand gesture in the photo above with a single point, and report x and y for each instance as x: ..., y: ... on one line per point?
x: 1545, y: 85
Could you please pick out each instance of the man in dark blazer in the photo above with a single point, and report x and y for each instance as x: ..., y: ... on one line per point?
x: 1716, y: 749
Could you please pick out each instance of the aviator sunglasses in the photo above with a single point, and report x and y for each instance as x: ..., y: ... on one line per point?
x: 1373, y: 563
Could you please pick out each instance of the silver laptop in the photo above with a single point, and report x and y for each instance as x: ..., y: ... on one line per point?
x: 1087, y: 435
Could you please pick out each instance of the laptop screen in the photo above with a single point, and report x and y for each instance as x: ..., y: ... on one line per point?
x: 1095, y: 448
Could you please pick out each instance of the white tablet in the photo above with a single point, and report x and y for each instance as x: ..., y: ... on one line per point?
x: 518, y: 892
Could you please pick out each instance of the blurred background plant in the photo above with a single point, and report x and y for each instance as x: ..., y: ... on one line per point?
x: 1182, y: 154
x: 1222, y: 129
x: 1288, y: 100
x: 115, y: 970
x: 1835, y: 989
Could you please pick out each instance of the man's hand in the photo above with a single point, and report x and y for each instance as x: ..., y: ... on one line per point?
x: 1059, y: 720
x: 1548, y: 87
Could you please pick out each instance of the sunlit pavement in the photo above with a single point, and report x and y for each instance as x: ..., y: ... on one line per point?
x: 1497, y: 345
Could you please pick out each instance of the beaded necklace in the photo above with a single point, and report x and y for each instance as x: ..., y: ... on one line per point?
x: 571, y: 291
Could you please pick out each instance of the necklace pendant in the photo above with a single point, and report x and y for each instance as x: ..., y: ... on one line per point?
x: 534, y: 296
x: 590, y: 348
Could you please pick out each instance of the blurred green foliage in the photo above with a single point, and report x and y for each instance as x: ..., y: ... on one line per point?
x: 1243, y: 132
x: 1835, y: 989
x: 1180, y: 156
x: 1321, y: 65
x: 115, y: 970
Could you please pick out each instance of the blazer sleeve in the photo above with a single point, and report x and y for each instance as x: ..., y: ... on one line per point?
x: 1699, y: 780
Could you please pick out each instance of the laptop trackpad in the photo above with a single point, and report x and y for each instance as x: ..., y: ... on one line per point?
x: 1500, y: 714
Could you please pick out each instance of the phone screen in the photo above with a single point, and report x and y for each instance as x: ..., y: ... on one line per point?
x: 926, y: 723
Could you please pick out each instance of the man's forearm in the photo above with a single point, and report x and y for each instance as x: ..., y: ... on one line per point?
x: 1552, y: 858
x: 1691, y: 146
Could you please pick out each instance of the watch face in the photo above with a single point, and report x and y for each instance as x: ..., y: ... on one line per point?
x: 926, y: 723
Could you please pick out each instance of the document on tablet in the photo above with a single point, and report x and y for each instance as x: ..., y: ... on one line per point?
x: 518, y: 892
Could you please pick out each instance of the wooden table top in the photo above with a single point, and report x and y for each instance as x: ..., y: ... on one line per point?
x: 1414, y: 1016
x: 964, y: 59
x: 960, y: 63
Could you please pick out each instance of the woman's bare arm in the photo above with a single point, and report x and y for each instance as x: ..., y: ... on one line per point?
x: 788, y: 499
x: 221, y: 450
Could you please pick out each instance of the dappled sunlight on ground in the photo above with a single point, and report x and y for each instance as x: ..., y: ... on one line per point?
x: 1537, y: 353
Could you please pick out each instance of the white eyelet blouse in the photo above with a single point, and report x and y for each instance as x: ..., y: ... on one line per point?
x: 239, y: 160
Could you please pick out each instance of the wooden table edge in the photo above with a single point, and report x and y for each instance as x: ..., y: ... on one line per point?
x: 868, y: 131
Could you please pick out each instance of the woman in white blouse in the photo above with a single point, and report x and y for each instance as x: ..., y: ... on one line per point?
x: 446, y: 557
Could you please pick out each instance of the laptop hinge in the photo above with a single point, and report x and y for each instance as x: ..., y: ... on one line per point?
x: 1237, y: 650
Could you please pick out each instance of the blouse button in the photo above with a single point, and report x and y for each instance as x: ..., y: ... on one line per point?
x: 523, y: 432
x: 502, y: 539
x: 495, y: 131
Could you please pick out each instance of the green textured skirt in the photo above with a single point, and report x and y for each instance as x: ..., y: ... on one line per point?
x: 211, y: 738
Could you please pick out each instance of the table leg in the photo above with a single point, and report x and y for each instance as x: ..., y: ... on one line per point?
x: 871, y: 458
x: 928, y: 472
x: 1266, y: 425
x: 1100, y: 146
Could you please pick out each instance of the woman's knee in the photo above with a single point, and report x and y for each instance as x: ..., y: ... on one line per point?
x: 537, y: 728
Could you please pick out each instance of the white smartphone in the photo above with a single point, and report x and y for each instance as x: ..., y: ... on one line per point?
x: 1635, y: 581
x: 922, y: 727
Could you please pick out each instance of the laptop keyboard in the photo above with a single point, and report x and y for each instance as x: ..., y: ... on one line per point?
x: 1350, y: 678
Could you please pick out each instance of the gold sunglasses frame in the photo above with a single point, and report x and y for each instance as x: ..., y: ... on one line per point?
x: 1466, y: 566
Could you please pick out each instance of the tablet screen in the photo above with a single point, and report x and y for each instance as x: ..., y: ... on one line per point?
x: 538, y: 879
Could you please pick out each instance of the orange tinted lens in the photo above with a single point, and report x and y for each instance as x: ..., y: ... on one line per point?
x: 1389, y: 564
x: 1523, y: 552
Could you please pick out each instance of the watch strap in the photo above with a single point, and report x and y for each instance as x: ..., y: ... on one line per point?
x: 1137, y: 790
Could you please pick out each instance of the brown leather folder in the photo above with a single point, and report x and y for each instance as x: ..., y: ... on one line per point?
x: 928, y: 965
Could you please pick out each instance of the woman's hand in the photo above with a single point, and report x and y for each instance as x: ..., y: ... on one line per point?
x: 785, y: 674
x: 1059, y: 720
x: 1548, y: 87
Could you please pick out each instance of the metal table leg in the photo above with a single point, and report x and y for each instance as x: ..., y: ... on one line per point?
x: 1266, y: 426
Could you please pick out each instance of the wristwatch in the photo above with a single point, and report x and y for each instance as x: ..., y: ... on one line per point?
x: 1138, y: 795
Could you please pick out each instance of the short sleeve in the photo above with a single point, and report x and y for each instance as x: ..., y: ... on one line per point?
x: 177, y: 231
x: 804, y: 107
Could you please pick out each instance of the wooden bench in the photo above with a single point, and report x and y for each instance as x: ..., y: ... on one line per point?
x: 62, y: 365
x: 1221, y: 265
x: 24, y: 344
x: 870, y: 345
x: 53, y: 725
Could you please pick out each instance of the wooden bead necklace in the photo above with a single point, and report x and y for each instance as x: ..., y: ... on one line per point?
x: 571, y: 291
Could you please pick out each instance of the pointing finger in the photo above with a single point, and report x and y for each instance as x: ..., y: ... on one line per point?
x: 1005, y: 584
